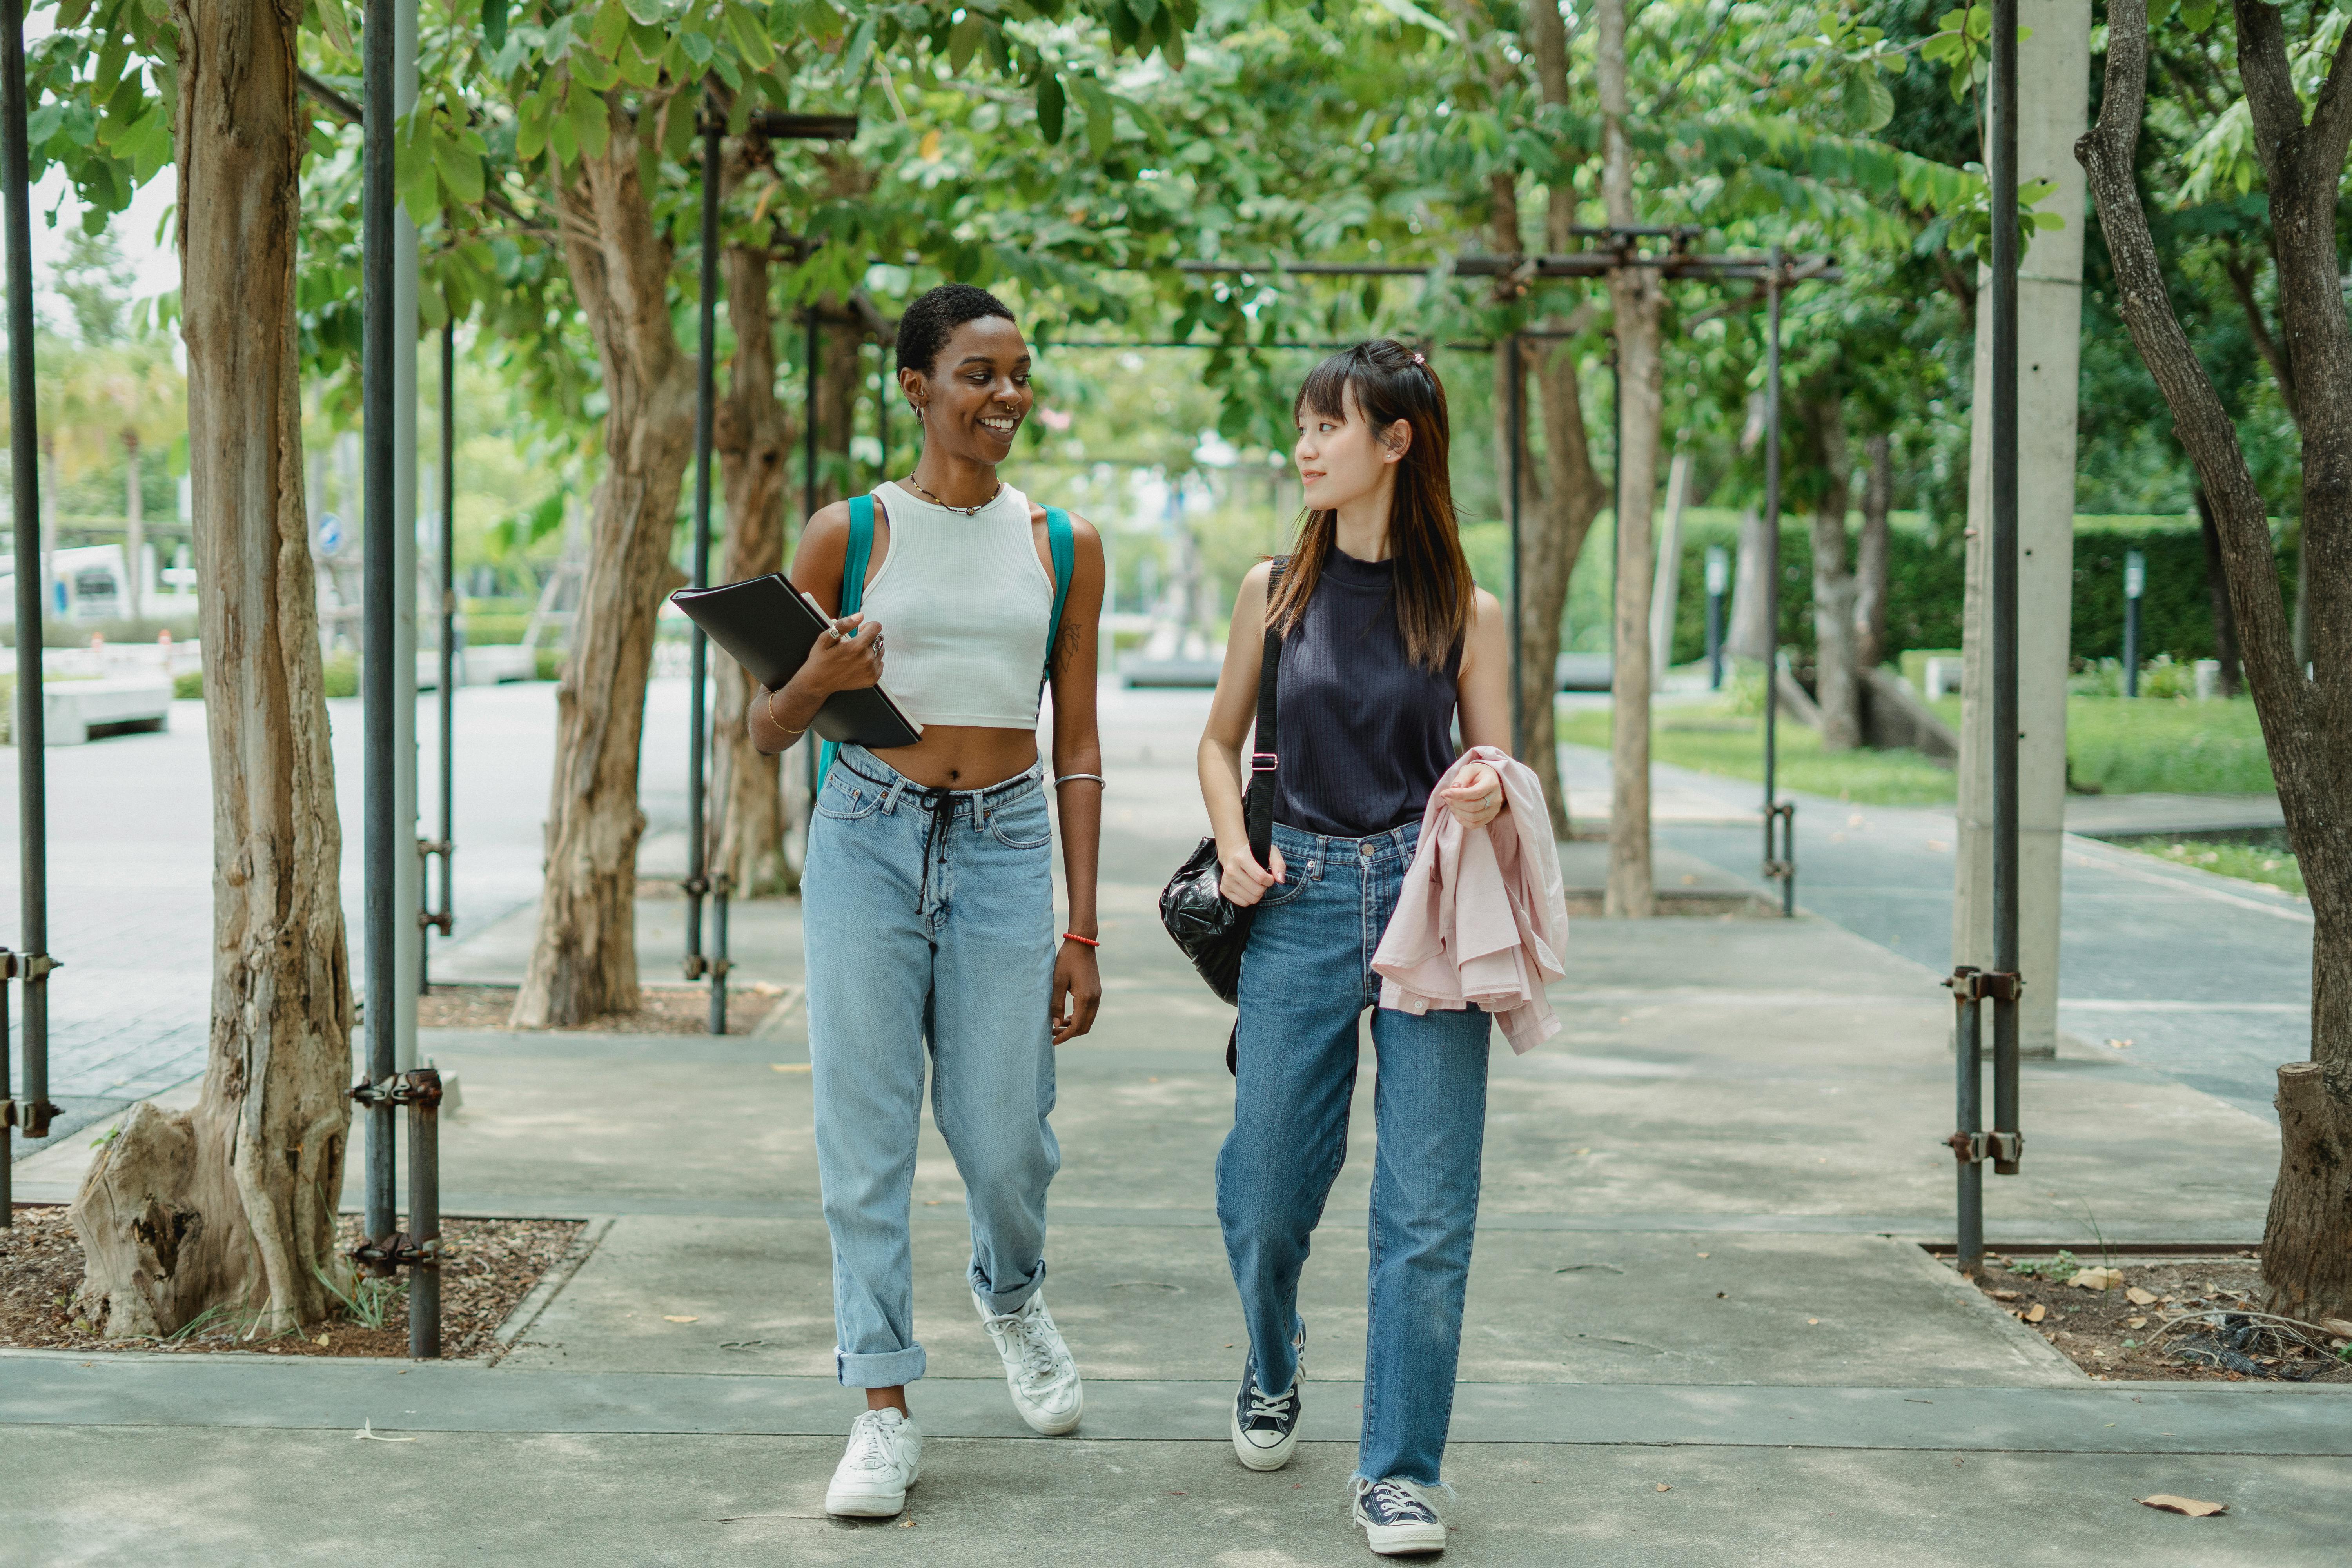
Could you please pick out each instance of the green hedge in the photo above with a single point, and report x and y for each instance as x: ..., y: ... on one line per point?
x: 1926, y: 588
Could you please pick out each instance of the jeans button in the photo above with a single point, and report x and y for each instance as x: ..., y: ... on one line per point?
x: 1368, y: 851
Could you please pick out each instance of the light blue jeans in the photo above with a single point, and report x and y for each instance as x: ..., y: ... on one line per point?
x: 1306, y: 978
x: 928, y: 916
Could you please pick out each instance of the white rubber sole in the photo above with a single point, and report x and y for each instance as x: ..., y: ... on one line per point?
x: 1394, y: 1539
x: 1258, y: 1459
x: 866, y: 1505
x: 1049, y: 1425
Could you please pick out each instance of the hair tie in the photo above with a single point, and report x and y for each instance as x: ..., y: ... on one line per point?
x: 1419, y: 361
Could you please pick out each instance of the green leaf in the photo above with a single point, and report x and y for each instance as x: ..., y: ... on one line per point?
x: 2197, y: 14
x: 591, y: 122
x: 1097, y: 106
x: 1050, y: 104
x: 1144, y: 10
x: 963, y: 41
x: 562, y: 140
x: 494, y: 23
x: 697, y: 46
x: 751, y: 37
x: 1406, y: 11
x: 336, y: 24
x: 853, y: 58
x: 460, y: 170
x: 605, y: 33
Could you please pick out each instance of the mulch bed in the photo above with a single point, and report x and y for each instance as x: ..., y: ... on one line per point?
x: 661, y: 1010
x: 2185, y: 1320
x: 489, y: 1265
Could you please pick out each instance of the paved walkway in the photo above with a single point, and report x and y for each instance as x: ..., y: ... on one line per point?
x: 1699, y: 1326
x: 2207, y: 976
x: 130, y: 870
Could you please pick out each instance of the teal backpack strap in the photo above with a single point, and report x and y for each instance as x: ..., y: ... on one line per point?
x: 1063, y: 546
x: 853, y: 590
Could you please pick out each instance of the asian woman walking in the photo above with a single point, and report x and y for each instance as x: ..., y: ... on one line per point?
x: 1388, y: 647
x: 928, y: 898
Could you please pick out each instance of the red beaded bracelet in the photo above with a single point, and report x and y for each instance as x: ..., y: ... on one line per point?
x: 1073, y: 936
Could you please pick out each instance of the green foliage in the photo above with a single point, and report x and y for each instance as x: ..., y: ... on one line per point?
x: 1718, y: 737
x: 2263, y: 858
x: 189, y: 685
x: 2176, y: 745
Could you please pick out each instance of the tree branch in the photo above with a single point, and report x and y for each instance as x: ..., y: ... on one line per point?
x: 2202, y: 424
x: 2263, y: 72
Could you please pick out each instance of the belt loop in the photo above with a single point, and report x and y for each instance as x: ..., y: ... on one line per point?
x: 898, y: 788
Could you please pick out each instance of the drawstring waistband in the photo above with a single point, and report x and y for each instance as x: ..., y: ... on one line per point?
x: 941, y: 803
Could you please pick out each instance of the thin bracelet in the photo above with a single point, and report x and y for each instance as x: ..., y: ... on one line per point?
x: 1073, y: 936
x: 770, y: 706
x: 1068, y: 778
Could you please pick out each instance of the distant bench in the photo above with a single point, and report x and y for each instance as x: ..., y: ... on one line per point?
x: 74, y: 711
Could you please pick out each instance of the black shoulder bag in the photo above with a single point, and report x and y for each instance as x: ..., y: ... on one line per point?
x: 1209, y: 926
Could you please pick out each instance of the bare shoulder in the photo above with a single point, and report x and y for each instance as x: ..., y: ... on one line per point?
x: 1256, y: 580
x: 1485, y: 611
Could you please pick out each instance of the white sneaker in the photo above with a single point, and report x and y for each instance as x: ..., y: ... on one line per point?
x: 1037, y: 1365
x: 1397, y: 1516
x: 871, y: 1481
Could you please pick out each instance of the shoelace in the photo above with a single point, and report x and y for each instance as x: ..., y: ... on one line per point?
x: 1270, y: 1407
x: 1391, y: 1498
x: 866, y: 1449
x: 1037, y: 1357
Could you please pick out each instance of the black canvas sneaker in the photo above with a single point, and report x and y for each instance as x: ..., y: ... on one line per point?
x: 1397, y: 1516
x: 1266, y: 1427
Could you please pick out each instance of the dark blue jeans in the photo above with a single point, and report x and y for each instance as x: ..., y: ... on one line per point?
x: 1306, y: 978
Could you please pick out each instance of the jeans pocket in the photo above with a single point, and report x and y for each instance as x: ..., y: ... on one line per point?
x: 1025, y: 824
x: 846, y: 801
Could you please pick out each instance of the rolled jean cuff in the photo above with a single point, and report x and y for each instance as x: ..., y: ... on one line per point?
x: 890, y: 1369
x: 1002, y: 1303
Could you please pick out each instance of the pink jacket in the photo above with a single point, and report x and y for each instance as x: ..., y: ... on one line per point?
x: 1481, y: 919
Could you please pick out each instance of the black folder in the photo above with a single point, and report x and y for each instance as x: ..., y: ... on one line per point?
x: 768, y: 627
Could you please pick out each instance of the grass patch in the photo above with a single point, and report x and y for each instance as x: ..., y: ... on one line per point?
x: 2174, y: 745
x: 1717, y: 738
x: 2251, y: 858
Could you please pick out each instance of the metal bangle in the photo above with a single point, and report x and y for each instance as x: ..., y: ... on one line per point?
x: 770, y: 706
x: 1073, y: 778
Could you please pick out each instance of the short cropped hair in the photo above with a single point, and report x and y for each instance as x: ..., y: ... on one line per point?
x: 930, y: 322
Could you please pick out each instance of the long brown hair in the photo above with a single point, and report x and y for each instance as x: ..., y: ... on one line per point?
x: 1435, y: 592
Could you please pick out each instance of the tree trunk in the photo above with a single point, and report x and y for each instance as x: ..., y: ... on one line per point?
x: 232, y: 1204
x: 1635, y: 294
x: 1836, y: 685
x: 2217, y: 594
x: 2306, y: 721
x: 584, y: 960
x: 2307, y: 1247
x: 135, y: 511
x: 1571, y: 494
x: 755, y: 448
x: 1752, y: 635
x: 1871, y: 557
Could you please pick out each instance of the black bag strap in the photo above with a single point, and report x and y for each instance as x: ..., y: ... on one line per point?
x: 1264, y: 743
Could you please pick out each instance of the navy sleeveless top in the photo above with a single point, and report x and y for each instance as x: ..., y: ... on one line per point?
x: 1363, y: 733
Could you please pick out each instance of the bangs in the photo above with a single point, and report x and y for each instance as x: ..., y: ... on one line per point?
x: 1328, y: 387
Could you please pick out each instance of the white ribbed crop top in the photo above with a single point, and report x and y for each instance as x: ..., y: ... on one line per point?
x: 964, y: 604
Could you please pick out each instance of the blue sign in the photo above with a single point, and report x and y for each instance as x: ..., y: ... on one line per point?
x: 330, y: 533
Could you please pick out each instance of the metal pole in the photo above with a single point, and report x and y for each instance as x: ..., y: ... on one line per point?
x: 1780, y: 819
x: 9, y: 1121
x: 1718, y: 578
x: 424, y: 1097
x: 380, y: 840
x: 697, y: 880
x: 808, y: 420
x: 1968, y: 1142
x: 446, y: 922
x: 2005, y: 1140
x: 33, y: 964
x: 2135, y: 583
x: 1516, y: 419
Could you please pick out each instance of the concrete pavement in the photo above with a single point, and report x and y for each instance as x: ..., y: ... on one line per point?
x: 1697, y: 1269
